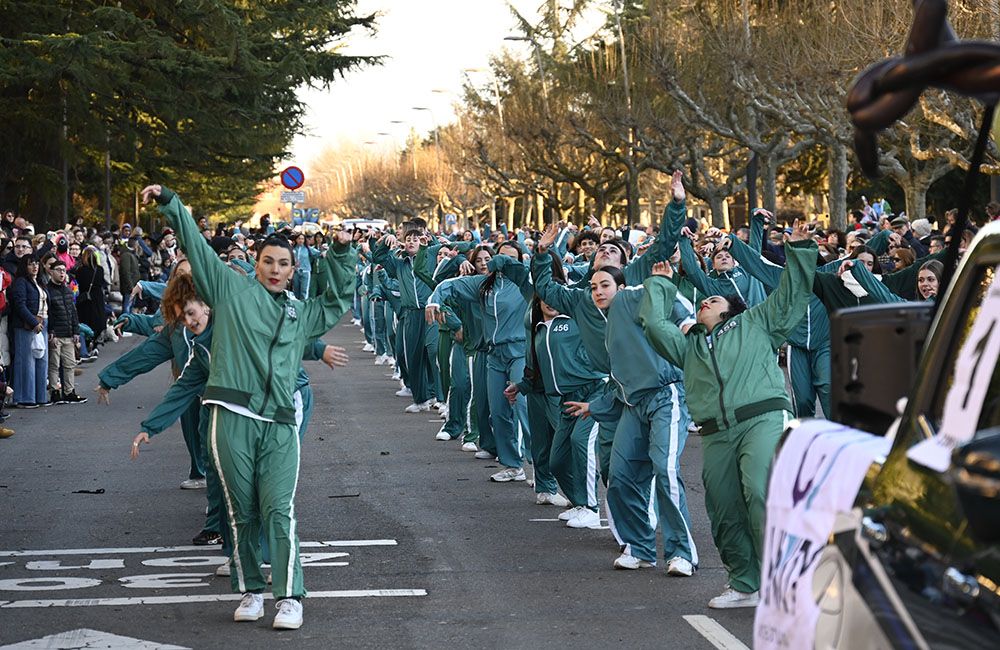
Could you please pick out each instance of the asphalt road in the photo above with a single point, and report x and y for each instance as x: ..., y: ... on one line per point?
x: 436, y: 555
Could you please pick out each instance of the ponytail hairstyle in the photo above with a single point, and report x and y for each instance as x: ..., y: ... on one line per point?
x: 491, y: 279
x: 616, y: 274
x: 736, y: 307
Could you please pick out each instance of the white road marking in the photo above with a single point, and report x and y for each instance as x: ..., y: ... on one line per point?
x: 182, y: 549
x: 84, y: 638
x: 717, y: 635
x: 200, y: 598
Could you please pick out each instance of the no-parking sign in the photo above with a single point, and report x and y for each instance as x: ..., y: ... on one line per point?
x: 292, y: 177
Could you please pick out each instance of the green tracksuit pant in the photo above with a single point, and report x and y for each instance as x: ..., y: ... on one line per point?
x: 258, y: 464
x: 543, y: 418
x: 573, y: 459
x: 378, y: 317
x: 481, y: 404
x: 192, y: 440
x: 605, y: 439
x: 461, y: 420
x: 367, y: 320
x: 216, y: 500
x: 648, y: 445
x: 505, y: 365
x: 419, y: 342
x: 736, y: 464
x: 809, y: 375
x: 444, y: 345
x: 390, y: 329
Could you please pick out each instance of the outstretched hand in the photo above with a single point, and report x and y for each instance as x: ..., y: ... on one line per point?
x: 800, y: 231
x: 103, y: 395
x: 151, y: 192
x: 141, y: 438
x: 663, y: 269
x: 845, y: 266
x: 548, y: 238
x: 334, y: 356
x: 677, y: 186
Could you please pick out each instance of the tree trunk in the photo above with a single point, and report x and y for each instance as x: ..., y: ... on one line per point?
x: 716, y: 204
x: 915, y: 188
x: 540, y: 212
x: 768, y: 183
x: 632, y: 195
x: 511, y: 207
x: 838, y: 170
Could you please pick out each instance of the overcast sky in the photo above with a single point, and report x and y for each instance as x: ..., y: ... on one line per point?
x: 427, y: 45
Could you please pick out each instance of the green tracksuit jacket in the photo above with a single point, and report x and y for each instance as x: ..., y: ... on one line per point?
x: 737, y: 281
x: 730, y: 374
x: 258, y: 334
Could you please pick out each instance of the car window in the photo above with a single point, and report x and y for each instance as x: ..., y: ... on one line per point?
x: 989, y: 416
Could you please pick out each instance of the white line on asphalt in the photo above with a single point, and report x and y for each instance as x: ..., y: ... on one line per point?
x: 200, y: 598
x: 183, y: 549
x: 85, y: 638
x: 543, y: 520
x: 717, y: 635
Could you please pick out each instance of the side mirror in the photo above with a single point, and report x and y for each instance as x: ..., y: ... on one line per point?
x: 975, y: 471
x: 874, y: 357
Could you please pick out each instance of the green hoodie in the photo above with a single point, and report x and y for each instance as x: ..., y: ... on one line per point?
x: 259, y: 336
x: 730, y: 373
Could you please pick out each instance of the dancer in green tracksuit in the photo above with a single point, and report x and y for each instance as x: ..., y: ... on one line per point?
x: 808, y: 355
x: 419, y: 339
x: 652, y: 427
x: 259, y: 334
x: 576, y: 301
x: 737, y: 393
x: 504, y: 296
x: 559, y: 364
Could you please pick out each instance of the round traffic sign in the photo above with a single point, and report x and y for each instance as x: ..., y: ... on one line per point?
x: 292, y: 177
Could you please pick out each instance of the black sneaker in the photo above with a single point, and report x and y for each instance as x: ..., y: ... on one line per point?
x: 56, y: 397
x: 207, y: 538
x: 72, y: 398
x: 25, y: 405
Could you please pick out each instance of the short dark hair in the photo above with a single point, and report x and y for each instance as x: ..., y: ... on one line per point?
x: 616, y: 274
x: 413, y: 232
x: 586, y: 235
x: 736, y: 306
x: 279, y: 241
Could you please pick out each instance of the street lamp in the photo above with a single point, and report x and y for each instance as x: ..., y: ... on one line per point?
x: 496, y: 90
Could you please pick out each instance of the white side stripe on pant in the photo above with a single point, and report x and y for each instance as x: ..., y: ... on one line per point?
x: 675, y: 490
x: 229, y: 503
x: 293, y: 549
x: 592, y: 466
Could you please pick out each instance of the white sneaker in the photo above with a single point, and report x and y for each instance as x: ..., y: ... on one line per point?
x: 678, y: 566
x: 482, y: 454
x: 417, y: 408
x: 566, y: 515
x: 223, y: 570
x: 626, y: 561
x: 368, y: 347
x: 509, y: 474
x: 442, y: 436
x: 694, y: 429
x: 469, y: 446
x: 126, y: 335
x: 585, y: 518
x: 731, y: 599
x: 289, y: 616
x: 194, y: 484
x: 379, y: 360
x: 404, y: 392
x: 395, y: 374
x: 356, y: 321
x: 251, y: 608
x: 558, y: 500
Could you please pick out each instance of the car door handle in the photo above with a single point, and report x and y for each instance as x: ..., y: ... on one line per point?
x: 960, y: 586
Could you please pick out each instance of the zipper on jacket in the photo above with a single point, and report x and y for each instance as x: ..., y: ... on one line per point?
x: 552, y: 363
x: 270, y: 360
x: 496, y: 315
x: 718, y: 377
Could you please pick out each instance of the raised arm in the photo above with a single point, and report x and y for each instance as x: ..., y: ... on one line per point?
x: 781, y: 312
x: 757, y: 223
x: 670, y: 227
x: 656, y: 316
x: 323, y: 312
x: 514, y: 271
x: 215, y: 283
x: 876, y: 290
x: 768, y: 274
x: 558, y: 296
x: 692, y: 270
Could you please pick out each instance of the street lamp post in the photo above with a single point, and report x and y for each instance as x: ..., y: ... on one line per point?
x: 632, y: 182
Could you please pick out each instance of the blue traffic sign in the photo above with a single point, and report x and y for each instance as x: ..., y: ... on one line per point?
x: 292, y: 177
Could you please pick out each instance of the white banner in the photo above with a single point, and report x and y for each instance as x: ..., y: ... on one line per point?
x: 816, y: 475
